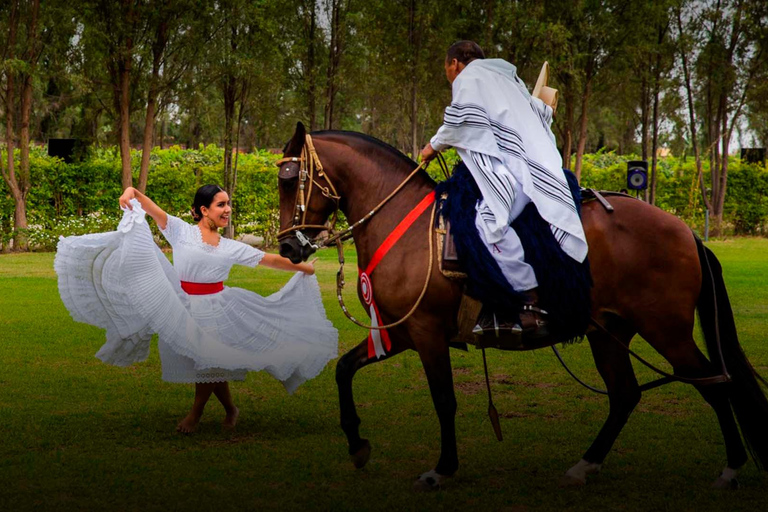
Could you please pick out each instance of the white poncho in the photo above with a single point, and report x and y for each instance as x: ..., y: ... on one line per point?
x: 493, y: 115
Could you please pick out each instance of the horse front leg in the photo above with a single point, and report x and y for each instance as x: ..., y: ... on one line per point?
x: 346, y: 367
x: 437, y: 366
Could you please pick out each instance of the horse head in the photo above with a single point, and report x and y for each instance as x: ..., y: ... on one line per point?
x: 307, y: 197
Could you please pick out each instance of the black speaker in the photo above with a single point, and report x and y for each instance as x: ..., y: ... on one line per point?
x: 637, y: 175
x: 63, y: 148
x: 753, y: 155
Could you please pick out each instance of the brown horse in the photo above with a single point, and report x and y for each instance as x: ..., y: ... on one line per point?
x: 680, y: 275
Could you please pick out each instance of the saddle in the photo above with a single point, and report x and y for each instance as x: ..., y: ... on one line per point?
x: 470, y: 309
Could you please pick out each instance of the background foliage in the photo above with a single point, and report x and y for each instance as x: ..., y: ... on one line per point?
x: 79, y: 198
x: 635, y: 77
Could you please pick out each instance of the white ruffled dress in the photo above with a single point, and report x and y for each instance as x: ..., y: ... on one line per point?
x: 121, y: 281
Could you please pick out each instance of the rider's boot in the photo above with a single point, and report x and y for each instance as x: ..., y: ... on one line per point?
x: 533, y: 319
x: 493, y: 324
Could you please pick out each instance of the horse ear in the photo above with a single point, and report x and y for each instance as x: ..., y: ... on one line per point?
x: 297, y: 141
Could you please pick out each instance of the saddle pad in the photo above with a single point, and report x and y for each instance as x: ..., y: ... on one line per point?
x: 564, y: 284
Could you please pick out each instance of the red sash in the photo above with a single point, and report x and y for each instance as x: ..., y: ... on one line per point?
x: 375, y: 349
x: 202, y: 288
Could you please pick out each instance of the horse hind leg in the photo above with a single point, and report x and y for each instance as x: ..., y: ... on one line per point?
x: 615, y: 368
x: 688, y: 361
x: 346, y: 367
x: 716, y: 395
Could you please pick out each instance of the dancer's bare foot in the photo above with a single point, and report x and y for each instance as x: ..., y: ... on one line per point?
x: 231, y: 419
x: 189, y: 424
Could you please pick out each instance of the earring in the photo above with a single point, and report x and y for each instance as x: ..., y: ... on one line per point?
x: 211, y: 224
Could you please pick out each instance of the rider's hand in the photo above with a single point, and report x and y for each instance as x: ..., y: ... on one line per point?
x: 428, y: 153
x: 125, y: 199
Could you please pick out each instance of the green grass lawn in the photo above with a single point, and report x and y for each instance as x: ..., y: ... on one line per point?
x: 78, y: 434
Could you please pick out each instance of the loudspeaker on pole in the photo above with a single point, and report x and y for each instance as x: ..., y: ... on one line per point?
x: 637, y: 174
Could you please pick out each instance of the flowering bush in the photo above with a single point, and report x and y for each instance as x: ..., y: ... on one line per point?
x: 42, y: 237
x: 73, y: 199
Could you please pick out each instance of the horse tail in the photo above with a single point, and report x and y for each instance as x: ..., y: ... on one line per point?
x: 746, y: 396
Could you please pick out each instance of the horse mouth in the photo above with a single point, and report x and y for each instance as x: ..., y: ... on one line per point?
x: 290, y: 248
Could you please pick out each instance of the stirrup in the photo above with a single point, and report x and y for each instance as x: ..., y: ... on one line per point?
x: 497, y: 329
x: 537, y: 327
x: 534, y: 309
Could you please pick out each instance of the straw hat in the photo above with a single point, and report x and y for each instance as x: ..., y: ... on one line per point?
x: 542, y: 91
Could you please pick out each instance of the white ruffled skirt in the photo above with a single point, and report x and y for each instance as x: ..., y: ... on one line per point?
x: 121, y: 281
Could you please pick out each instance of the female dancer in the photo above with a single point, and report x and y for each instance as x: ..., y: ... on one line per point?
x: 208, y: 333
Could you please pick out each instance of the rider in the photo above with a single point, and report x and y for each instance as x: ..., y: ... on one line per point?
x: 503, y: 136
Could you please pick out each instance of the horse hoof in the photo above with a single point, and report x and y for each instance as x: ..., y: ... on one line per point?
x: 361, y: 456
x: 571, y: 481
x: 428, y: 482
x: 725, y: 484
x: 577, y: 475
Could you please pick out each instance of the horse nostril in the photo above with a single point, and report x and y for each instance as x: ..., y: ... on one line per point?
x: 289, y: 249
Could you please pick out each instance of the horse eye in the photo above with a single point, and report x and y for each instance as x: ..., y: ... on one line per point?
x: 289, y: 184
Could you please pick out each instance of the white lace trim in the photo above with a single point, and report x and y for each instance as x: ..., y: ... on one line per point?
x: 202, y: 243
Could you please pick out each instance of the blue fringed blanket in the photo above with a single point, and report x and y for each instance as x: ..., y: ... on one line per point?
x: 564, y: 284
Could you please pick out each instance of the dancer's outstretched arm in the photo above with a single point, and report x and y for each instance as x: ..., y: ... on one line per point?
x: 278, y: 262
x: 149, y: 206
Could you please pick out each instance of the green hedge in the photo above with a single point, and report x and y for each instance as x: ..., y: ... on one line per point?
x: 746, y: 200
x: 69, y: 199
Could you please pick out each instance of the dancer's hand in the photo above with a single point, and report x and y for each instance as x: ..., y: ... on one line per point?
x: 310, y: 267
x: 125, y: 199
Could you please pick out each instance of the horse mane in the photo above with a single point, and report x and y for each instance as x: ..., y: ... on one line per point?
x: 367, y: 141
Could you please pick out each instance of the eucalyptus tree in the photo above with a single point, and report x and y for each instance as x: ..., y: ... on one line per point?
x: 33, y: 29
x: 244, y: 61
x: 179, y: 30
x: 722, y: 52
x: 113, y: 34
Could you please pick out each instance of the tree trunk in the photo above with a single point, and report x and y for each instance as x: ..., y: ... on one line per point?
x: 158, y: 48
x: 412, y: 42
x: 229, y: 114
x: 489, y: 12
x: 311, y: 74
x: 20, y: 241
x: 230, y: 98
x: 718, y: 199
x: 229, y: 231
x: 15, y: 184
x: 644, y: 121
x: 162, y: 132
x: 583, y: 127
x: 654, y: 145
x: 334, y: 61
x: 9, y: 128
x: 125, y: 123
x: 121, y: 64
x: 655, y: 127
x: 567, y: 132
x: 146, y: 146
x: 692, y: 118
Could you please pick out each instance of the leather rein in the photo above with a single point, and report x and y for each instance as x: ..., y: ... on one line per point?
x: 309, y: 170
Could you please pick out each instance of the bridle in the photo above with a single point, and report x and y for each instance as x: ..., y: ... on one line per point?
x: 309, y: 169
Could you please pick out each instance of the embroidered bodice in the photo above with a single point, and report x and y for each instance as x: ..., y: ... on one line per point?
x: 199, y: 262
